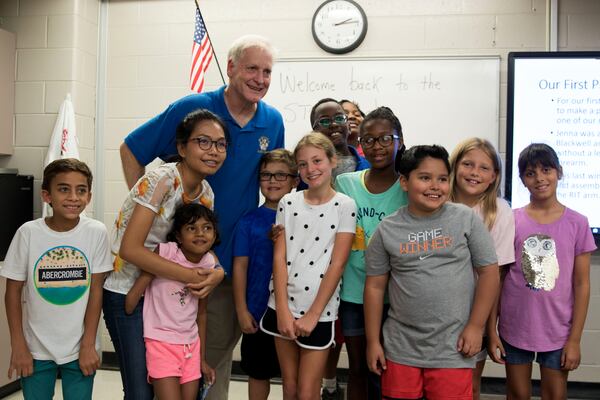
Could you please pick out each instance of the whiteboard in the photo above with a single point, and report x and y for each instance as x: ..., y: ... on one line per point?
x: 438, y: 100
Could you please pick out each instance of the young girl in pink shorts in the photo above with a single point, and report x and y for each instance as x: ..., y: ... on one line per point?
x: 174, y: 320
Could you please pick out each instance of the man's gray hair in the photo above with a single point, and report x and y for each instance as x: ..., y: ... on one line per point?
x: 248, y: 41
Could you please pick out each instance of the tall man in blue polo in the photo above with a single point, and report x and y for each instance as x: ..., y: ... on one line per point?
x: 254, y: 128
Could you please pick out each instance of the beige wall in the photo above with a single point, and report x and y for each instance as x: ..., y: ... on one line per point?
x: 56, y: 55
x: 149, y: 44
x: 578, y: 28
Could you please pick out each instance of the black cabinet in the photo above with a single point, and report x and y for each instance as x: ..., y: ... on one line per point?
x: 16, y: 205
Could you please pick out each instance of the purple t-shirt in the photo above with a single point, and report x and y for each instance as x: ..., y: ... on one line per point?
x: 536, y: 306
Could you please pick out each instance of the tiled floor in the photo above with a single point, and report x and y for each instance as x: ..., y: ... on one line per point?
x: 107, y: 386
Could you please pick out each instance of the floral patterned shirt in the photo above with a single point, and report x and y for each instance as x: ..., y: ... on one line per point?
x: 161, y: 191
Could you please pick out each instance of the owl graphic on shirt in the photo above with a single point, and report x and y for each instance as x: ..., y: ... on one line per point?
x: 539, y: 262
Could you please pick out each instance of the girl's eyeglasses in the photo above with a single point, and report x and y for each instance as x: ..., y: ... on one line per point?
x: 205, y: 143
x: 385, y: 140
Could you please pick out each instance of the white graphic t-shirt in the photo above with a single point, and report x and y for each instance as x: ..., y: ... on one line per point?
x: 56, y: 268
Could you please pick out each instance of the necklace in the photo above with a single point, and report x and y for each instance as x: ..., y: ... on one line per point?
x: 187, y: 199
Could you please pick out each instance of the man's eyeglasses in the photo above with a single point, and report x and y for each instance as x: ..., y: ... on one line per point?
x: 205, y: 143
x: 326, y: 122
x: 385, y: 140
x: 279, y: 176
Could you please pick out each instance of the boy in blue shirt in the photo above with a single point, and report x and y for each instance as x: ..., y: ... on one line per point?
x: 253, y: 267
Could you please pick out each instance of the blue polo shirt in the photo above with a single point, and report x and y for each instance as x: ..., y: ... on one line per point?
x: 236, y: 183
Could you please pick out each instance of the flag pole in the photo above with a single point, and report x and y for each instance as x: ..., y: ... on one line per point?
x: 210, y: 40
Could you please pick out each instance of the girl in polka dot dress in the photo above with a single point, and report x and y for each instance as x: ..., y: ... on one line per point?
x: 308, y: 262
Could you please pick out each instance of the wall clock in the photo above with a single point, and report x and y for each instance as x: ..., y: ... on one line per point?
x: 339, y: 26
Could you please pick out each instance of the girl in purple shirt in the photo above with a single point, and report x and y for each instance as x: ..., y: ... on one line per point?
x: 545, y: 294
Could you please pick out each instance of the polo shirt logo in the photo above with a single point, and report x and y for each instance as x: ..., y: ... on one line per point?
x: 263, y: 144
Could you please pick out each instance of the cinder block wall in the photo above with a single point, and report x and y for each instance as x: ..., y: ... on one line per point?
x: 56, y: 55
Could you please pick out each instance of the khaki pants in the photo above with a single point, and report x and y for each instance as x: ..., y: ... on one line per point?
x: 222, y: 334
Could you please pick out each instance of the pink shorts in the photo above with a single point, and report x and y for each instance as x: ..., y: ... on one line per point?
x: 165, y: 360
x: 400, y: 381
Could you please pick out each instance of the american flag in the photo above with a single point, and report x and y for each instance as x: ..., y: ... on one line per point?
x: 202, y: 54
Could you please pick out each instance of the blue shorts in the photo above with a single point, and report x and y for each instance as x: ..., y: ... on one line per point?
x: 548, y: 359
x: 353, y: 318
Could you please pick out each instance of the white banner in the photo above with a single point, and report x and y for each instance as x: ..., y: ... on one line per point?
x: 63, y: 142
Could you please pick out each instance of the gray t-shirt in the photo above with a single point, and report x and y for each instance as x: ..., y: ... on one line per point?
x: 431, y: 287
x: 345, y: 164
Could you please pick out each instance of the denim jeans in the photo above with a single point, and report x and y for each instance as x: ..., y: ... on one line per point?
x: 127, y: 335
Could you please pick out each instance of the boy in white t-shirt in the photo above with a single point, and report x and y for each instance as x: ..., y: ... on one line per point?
x: 60, y: 262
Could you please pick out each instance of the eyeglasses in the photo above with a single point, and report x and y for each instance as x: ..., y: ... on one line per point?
x: 385, y: 140
x: 326, y: 122
x: 205, y: 143
x: 279, y: 176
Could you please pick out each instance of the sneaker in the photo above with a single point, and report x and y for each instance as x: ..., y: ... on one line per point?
x: 337, y: 394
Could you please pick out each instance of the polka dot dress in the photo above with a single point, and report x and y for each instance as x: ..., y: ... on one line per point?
x: 310, y: 232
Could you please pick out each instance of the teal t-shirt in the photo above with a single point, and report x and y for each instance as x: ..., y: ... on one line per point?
x: 371, y: 209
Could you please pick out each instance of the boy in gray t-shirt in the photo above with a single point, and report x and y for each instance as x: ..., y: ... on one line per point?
x: 425, y: 255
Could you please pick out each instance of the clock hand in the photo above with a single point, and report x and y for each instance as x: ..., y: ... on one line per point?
x: 346, y: 21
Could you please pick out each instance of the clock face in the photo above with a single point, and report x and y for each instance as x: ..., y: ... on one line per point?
x: 339, y: 26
